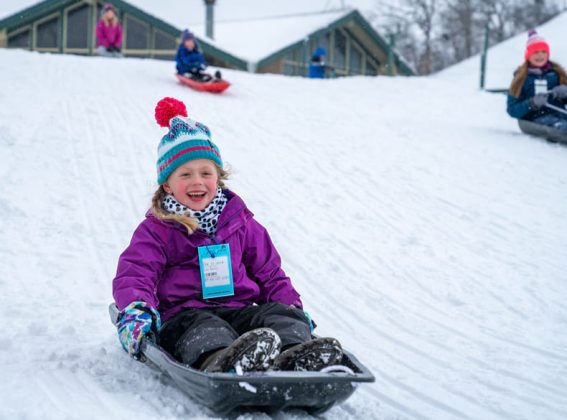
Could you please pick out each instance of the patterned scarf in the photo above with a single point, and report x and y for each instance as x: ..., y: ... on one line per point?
x: 538, y: 71
x: 207, y: 218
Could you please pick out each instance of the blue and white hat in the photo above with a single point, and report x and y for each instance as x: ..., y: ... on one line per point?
x: 186, y: 140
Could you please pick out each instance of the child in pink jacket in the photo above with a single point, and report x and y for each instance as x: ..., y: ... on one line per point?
x: 109, y: 33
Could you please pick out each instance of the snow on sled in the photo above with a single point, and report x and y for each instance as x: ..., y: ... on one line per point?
x: 314, y: 392
x: 214, y: 86
x: 549, y: 133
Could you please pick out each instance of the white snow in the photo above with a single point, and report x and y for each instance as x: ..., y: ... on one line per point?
x: 421, y: 228
x: 504, y: 58
x: 10, y: 7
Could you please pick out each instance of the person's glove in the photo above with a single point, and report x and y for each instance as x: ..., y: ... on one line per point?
x: 538, y: 100
x: 137, y: 320
x: 559, y: 92
x: 310, y: 321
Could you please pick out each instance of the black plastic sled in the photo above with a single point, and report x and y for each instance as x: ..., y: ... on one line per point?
x: 314, y: 392
x: 549, y: 133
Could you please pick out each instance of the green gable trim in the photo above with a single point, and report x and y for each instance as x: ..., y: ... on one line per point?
x: 359, y: 19
x: 125, y: 7
x: 401, y: 65
x: 46, y: 7
x: 210, y: 49
x: 33, y: 13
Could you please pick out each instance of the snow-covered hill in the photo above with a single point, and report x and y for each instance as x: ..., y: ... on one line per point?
x: 421, y: 228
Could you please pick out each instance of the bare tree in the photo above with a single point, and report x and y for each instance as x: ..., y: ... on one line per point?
x: 497, y: 15
x: 432, y: 34
x: 463, y: 23
x: 423, y: 15
x: 403, y: 21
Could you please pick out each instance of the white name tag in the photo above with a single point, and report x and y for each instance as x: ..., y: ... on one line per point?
x: 540, y: 86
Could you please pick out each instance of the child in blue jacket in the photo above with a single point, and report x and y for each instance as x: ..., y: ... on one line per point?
x: 190, y: 61
x: 317, y: 66
x: 538, y: 82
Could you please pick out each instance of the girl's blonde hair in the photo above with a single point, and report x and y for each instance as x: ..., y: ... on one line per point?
x: 522, y: 74
x: 190, y: 223
x: 112, y: 21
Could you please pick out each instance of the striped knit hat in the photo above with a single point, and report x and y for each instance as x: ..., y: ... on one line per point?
x: 535, y: 43
x: 186, y: 140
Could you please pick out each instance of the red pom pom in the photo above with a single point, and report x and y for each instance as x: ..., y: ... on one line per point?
x: 167, y: 108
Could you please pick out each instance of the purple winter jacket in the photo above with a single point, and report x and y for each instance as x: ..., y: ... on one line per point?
x: 161, y: 265
x: 107, y: 36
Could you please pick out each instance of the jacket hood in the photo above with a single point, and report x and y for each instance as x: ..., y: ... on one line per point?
x: 320, y: 52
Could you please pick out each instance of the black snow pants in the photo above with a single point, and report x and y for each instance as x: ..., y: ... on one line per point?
x: 196, y: 332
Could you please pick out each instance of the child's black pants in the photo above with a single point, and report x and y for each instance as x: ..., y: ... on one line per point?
x: 194, y: 332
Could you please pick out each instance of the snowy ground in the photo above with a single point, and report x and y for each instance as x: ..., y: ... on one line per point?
x: 422, y: 229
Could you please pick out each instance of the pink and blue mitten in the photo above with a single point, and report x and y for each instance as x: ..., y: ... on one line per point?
x: 136, y: 321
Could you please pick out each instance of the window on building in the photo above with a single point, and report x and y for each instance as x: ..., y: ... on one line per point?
x: 300, y: 58
x: 288, y: 68
x: 77, y: 27
x: 371, y: 68
x: 319, y: 42
x: 326, y: 42
x: 48, y: 34
x: 355, y: 64
x: 20, y: 40
x: 137, y: 34
x: 163, y: 41
x: 339, y: 56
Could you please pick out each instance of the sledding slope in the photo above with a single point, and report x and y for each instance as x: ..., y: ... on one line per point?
x: 421, y: 228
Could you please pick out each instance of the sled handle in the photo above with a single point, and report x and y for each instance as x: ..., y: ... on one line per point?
x: 556, y: 108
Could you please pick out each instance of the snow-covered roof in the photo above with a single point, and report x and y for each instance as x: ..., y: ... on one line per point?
x: 9, y: 7
x: 504, y: 58
x: 286, y: 24
x: 256, y: 39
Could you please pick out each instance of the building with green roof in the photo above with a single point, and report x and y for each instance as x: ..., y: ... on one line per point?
x: 281, y: 44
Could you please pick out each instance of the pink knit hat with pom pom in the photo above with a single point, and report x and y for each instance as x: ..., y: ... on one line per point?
x: 535, y: 43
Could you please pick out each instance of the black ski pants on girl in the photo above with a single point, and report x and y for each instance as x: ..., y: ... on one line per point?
x: 196, y: 332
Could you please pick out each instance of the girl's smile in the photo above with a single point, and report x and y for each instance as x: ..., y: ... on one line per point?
x: 194, y: 184
x: 538, y: 58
